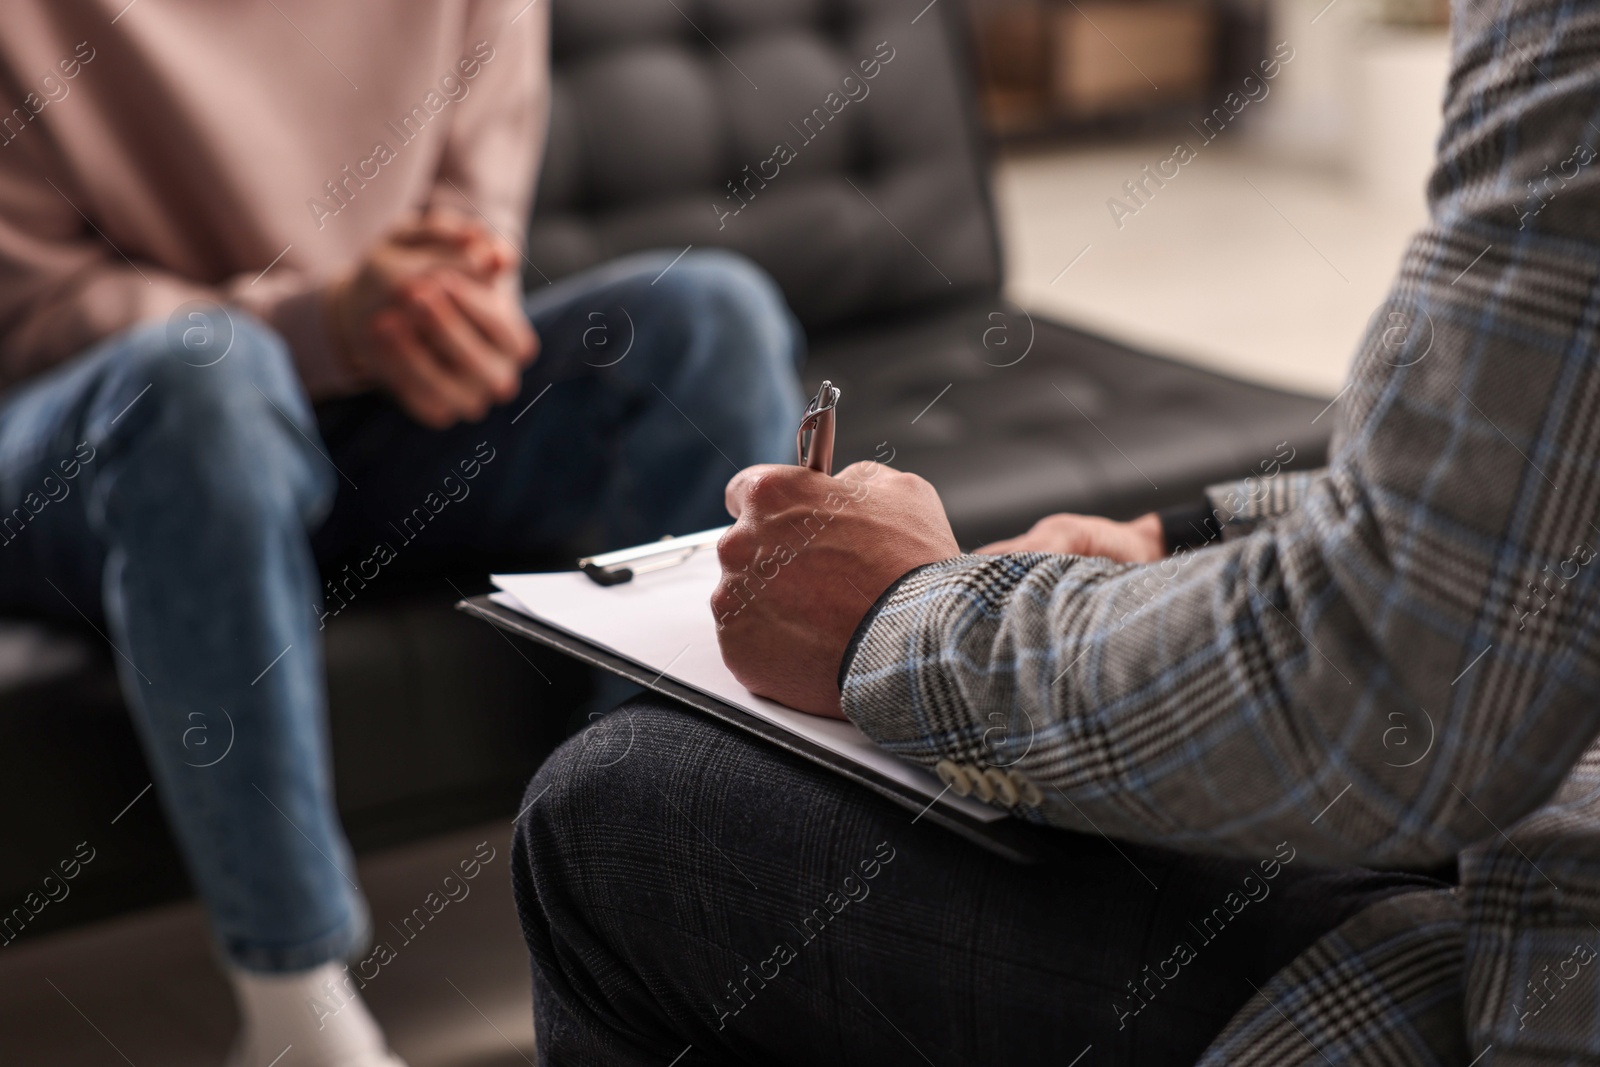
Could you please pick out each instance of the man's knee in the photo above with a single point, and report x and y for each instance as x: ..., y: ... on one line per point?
x: 601, y: 776
x: 227, y: 414
x: 559, y: 828
x: 599, y: 762
x: 592, y: 843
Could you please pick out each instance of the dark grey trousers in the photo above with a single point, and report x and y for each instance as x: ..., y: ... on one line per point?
x: 693, y: 896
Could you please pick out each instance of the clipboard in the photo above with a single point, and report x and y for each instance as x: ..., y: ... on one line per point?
x: 602, y: 597
x: 1006, y: 837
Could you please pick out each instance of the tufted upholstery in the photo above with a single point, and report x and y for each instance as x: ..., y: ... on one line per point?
x: 879, y: 230
x: 830, y: 140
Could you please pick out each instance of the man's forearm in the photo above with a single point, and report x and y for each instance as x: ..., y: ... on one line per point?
x: 1253, y: 690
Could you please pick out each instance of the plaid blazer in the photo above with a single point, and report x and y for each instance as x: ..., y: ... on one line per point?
x: 1391, y: 662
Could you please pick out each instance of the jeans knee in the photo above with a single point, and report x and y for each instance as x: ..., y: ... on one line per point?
x: 741, y: 297
x: 721, y: 271
x: 227, y: 413
x: 243, y: 359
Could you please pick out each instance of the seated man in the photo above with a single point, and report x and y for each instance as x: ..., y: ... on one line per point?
x: 213, y: 217
x: 1390, y: 664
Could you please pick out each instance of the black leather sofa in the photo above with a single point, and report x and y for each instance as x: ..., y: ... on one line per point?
x: 666, y: 132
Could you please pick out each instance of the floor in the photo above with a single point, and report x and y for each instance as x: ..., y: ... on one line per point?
x: 143, y: 990
x: 1254, y: 267
x: 1265, y: 253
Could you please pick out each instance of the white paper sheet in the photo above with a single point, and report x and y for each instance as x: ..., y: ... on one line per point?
x: 662, y: 621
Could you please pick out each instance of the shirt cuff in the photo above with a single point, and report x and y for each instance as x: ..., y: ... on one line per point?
x: 866, y: 622
x: 1189, y: 526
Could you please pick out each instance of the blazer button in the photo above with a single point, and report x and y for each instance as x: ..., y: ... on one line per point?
x: 982, y: 788
x: 1004, y: 789
x: 953, y: 775
x: 1027, y: 792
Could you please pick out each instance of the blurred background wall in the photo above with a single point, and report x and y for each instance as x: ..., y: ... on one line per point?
x: 1265, y: 254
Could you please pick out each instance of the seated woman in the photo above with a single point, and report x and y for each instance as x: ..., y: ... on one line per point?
x: 261, y: 320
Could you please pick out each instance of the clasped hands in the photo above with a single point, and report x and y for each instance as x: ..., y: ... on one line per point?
x: 809, y: 554
x: 431, y: 315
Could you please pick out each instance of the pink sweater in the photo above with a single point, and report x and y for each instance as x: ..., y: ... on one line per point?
x: 244, y: 151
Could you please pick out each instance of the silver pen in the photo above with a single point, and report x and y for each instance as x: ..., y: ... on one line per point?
x: 813, y: 443
x: 818, y: 422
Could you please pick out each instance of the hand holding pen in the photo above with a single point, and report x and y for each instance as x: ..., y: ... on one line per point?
x: 814, y: 448
x: 808, y: 556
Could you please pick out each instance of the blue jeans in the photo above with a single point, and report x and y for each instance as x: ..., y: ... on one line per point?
x: 184, y: 510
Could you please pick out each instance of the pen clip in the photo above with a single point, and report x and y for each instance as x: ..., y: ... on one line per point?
x: 814, y: 439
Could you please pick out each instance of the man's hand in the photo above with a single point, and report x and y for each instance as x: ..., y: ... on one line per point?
x: 425, y: 315
x: 1139, y: 541
x: 808, y: 556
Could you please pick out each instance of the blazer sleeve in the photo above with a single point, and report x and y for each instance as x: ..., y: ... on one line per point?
x: 1407, y: 654
x: 1241, y: 506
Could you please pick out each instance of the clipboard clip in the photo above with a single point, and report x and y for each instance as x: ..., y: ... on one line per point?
x: 615, y: 568
x: 813, y: 442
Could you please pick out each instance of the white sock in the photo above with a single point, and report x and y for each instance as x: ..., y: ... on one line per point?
x: 316, y: 1015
